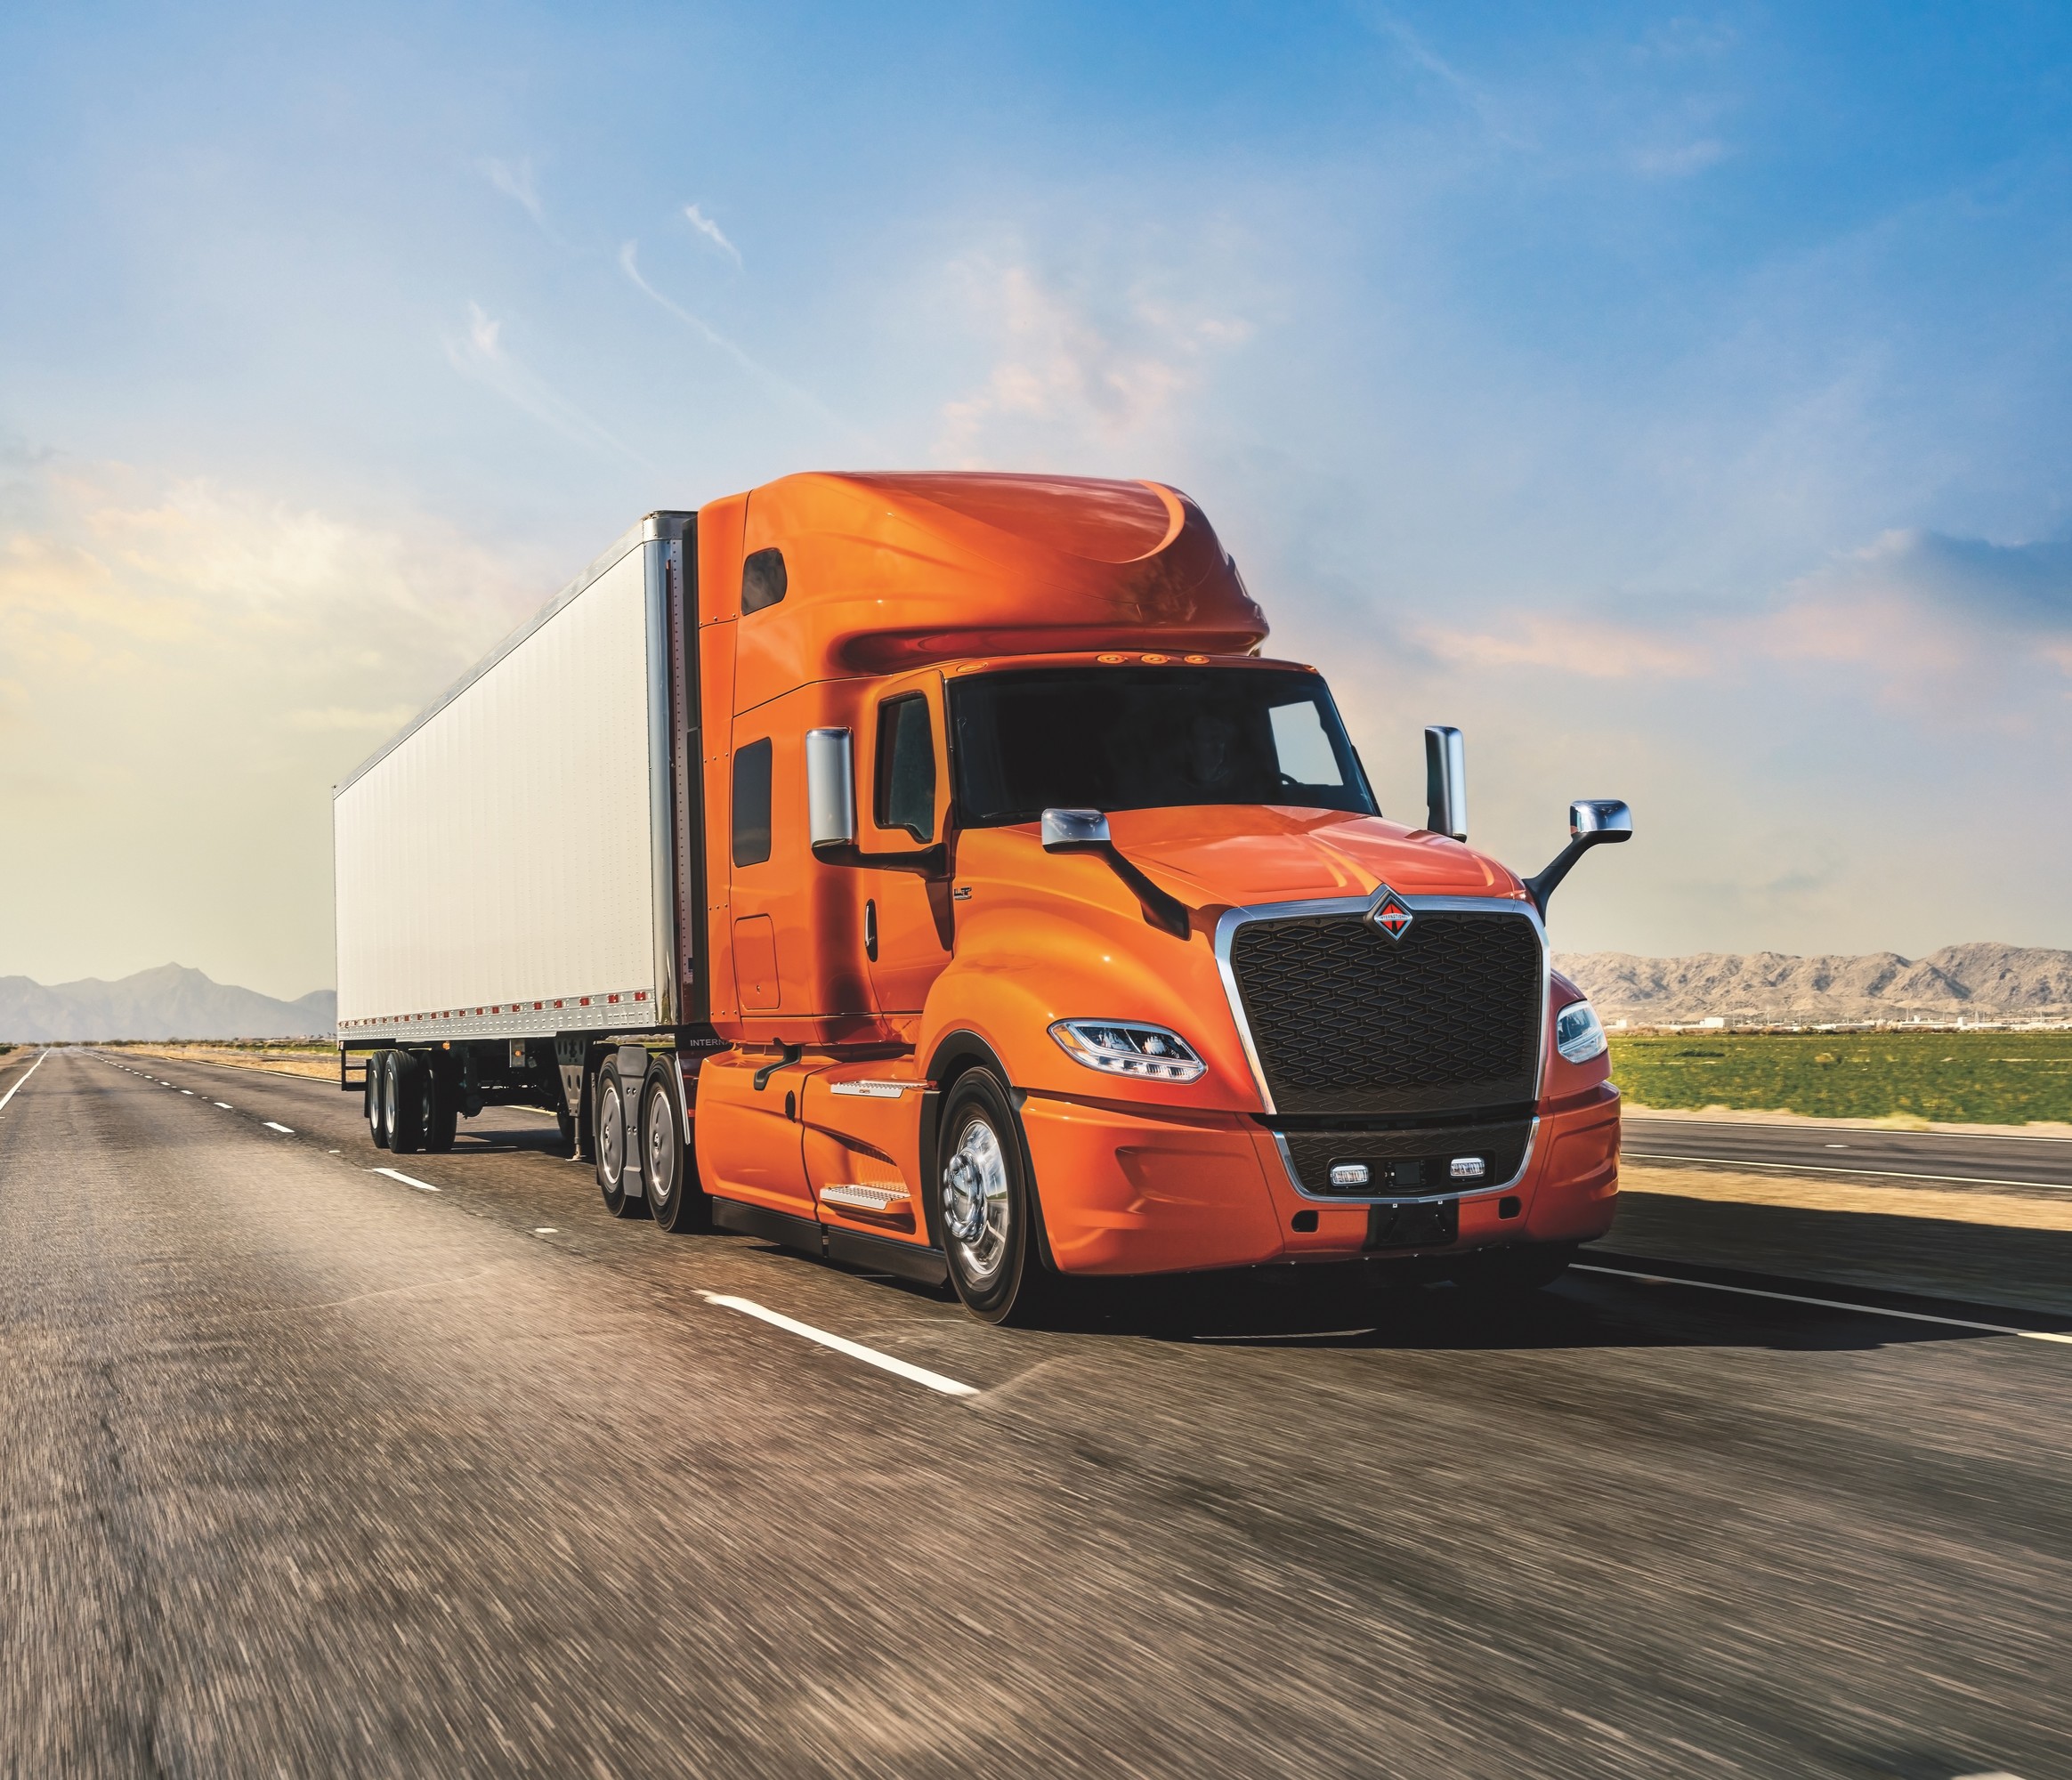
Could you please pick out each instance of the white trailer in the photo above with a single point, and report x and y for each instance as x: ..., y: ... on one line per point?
x: 513, y: 865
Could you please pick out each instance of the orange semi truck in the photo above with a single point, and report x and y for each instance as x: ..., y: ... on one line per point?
x: 928, y: 872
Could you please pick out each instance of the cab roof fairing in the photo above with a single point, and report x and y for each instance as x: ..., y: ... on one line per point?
x: 896, y: 571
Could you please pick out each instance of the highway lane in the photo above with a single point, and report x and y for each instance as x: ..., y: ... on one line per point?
x: 305, y: 1469
x: 1861, y: 1153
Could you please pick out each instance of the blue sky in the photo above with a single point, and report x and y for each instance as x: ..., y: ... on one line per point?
x: 1677, y: 400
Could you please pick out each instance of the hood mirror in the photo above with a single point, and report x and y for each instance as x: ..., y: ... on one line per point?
x: 1445, y: 781
x: 1068, y: 830
x: 1087, y: 832
x: 1592, y: 821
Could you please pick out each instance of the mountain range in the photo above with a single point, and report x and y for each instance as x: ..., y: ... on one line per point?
x: 169, y: 1002
x: 1978, y: 982
x: 1982, y: 981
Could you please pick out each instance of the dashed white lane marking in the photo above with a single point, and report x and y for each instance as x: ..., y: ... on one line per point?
x: 1823, y: 1168
x: 855, y: 1350
x: 23, y: 1077
x: 226, y: 1105
x: 284, y: 1130
x: 189, y: 1092
x: 545, y: 1230
x: 408, y: 1180
x: 1827, y: 1303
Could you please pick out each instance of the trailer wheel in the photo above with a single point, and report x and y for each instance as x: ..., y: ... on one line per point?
x: 376, y: 1098
x: 1512, y: 1272
x: 614, y: 1134
x: 443, y: 1097
x: 988, y: 1203
x: 674, y: 1201
x: 410, y: 1091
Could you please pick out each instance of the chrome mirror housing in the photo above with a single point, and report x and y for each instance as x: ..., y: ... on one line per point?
x: 1447, y: 781
x: 831, y: 787
x: 1606, y: 818
x: 1065, y: 830
x: 1592, y: 821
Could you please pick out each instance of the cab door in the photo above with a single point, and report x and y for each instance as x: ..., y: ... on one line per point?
x: 907, y: 929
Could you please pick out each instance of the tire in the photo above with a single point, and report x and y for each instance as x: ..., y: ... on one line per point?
x: 1498, y: 1273
x: 374, y: 1098
x: 988, y: 1203
x: 674, y: 1199
x: 610, y: 1144
x: 443, y: 1095
x: 409, y: 1092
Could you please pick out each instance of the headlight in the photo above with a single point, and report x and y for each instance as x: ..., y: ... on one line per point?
x: 1126, y: 1048
x: 1577, y: 1035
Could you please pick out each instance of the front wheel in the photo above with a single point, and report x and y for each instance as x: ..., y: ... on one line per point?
x: 988, y: 1203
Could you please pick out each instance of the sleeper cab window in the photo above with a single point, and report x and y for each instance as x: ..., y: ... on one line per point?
x: 906, y: 767
x: 751, y: 803
x: 763, y: 580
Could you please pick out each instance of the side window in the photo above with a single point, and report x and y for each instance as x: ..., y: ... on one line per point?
x: 751, y: 803
x: 906, y: 768
x: 763, y: 580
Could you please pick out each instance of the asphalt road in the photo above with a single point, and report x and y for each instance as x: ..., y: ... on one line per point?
x: 1862, y: 1154
x: 306, y: 1469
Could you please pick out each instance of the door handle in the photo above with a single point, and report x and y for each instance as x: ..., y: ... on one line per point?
x: 870, y: 929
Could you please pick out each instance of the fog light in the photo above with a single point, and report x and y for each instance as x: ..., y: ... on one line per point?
x: 1349, y: 1174
x: 1470, y: 1167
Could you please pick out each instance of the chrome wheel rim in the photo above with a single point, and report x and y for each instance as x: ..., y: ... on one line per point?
x: 610, y: 1135
x: 661, y: 1153
x: 975, y: 1205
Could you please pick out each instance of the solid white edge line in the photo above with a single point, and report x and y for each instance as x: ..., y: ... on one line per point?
x: 23, y: 1077
x: 284, y: 1130
x: 1816, y: 1168
x: 1901, y: 1131
x: 1826, y: 1303
x: 408, y: 1180
x: 855, y: 1350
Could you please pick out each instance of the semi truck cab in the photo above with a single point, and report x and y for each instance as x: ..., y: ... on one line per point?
x: 1016, y: 918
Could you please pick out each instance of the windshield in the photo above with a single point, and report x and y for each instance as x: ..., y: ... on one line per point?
x: 1142, y: 738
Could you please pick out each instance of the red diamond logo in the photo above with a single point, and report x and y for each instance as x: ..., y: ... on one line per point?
x: 1388, y: 914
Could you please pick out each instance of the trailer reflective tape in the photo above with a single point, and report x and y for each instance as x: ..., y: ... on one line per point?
x: 855, y: 1350
x: 24, y: 1076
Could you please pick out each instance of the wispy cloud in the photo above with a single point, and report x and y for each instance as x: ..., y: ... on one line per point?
x: 515, y: 179
x: 629, y: 264
x: 1682, y: 160
x: 1074, y: 368
x: 482, y: 356
x: 710, y: 230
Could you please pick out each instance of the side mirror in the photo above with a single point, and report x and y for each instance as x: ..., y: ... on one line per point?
x: 831, y: 787
x: 1445, y: 781
x: 1592, y: 821
x: 1072, y: 830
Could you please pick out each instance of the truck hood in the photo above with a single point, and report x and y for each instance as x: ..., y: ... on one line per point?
x: 1242, y: 855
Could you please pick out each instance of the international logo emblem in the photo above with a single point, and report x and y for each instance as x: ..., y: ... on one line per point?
x: 1390, y: 914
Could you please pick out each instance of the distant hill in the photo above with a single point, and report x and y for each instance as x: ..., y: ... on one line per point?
x: 1977, y: 982
x: 169, y: 1002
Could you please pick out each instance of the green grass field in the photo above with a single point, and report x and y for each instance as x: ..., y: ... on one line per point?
x: 1952, y: 1078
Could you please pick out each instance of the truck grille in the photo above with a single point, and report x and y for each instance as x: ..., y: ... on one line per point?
x: 1347, y: 1020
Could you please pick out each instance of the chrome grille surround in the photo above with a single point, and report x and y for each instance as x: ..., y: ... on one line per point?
x: 1226, y: 930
